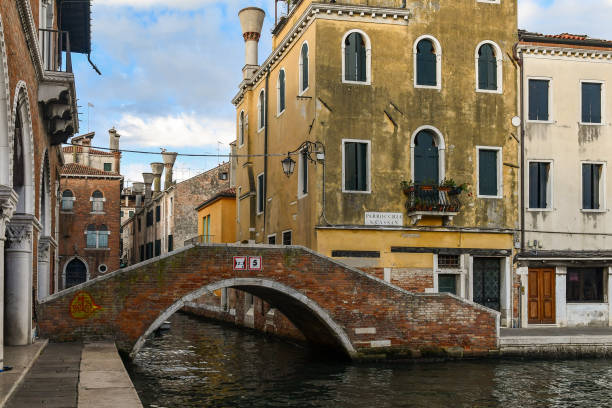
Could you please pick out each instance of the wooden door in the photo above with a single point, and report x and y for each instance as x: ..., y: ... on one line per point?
x: 541, y: 296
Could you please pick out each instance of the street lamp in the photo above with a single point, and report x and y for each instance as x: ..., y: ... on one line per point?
x: 307, y: 148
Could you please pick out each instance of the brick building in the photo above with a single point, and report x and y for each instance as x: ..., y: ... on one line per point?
x: 164, y: 220
x: 90, y: 211
x: 38, y: 112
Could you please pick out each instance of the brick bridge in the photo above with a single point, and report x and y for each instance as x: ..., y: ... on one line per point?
x: 331, y: 304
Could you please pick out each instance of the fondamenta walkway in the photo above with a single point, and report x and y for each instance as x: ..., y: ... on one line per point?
x: 333, y: 305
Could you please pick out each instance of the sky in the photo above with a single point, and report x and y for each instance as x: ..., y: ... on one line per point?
x: 171, y: 67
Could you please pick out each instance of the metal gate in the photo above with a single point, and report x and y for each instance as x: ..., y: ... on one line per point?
x: 76, y: 273
x: 486, y: 282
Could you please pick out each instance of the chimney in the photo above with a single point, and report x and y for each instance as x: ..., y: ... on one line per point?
x: 113, y: 144
x: 138, y: 189
x: 251, y: 21
x: 169, y: 159
x: 148, y: 180
x: 157, y: 169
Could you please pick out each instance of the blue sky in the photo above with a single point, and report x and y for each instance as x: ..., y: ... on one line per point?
x: 171, y: 67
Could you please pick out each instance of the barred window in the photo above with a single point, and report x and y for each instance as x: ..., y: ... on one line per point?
x: 448, y: 261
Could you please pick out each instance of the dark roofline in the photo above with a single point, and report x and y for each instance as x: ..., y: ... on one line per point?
x: 527, y: 36
x: 218, y: 196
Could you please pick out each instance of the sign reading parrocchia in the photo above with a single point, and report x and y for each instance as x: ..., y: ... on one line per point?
x: 384, y: 219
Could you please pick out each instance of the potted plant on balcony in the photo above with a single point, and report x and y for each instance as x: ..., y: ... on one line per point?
x: 407, y: 186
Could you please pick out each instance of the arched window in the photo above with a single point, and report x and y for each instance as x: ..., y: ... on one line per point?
x: 97, y: 201
x: 92, y: 236
x: 261, y: 110
x: 426, y: 63
x: 304, y: 68
x: 67, y: 200
x: 427, y: 151
x: 280, y: 92
x: 241, y: 129
x: 103, y: 234
x: 76, y: 273
x: 356, y: 57
x: 488, y: 67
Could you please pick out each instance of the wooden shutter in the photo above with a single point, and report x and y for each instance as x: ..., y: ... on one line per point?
x: 281, y: 90
x: 426, y: 63
x: 361, y: 59
x: 304, y: 66
x: 538, y: 99
x: 426, y: 161
x: 538, y: 185
x: 350, y: 166
x: 350, y: 58
x: 362, y: 166
x: 487, y: 177
x: 487, y: 68
x: 591, y: 103
x: 587, y: 187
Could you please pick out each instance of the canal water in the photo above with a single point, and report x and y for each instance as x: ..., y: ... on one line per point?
x: 202, y: 364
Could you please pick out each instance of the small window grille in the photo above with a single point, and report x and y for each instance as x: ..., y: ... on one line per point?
x: 448, y: 261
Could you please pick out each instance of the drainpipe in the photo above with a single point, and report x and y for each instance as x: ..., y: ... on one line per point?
x: 265, y: 189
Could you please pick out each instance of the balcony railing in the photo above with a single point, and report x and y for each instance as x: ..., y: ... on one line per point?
x: 433, y: 199
x: 53, y: 45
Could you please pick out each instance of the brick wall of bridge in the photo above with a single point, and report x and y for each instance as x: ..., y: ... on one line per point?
x: 379, y: 319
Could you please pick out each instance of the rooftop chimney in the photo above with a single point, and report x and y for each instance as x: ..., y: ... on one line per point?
x: 148, y: 180
x: 169, y: 159
x: 251, y: 21
x: 157, y: 169
x: 113, y: 144
x: 138, y: 189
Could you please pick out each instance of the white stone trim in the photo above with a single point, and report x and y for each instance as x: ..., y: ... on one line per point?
x: 300, y: 68
x: 549, y: 189
x: 87, y: 275
x: 438, y: 49
x: 441, y: 150
x: 368, y: 49
x: 550, y: 99
x: 602, y: 187
x: 499, y: 57
x: 602, y: 102
x: 500, y: 173
x: 368, y: 167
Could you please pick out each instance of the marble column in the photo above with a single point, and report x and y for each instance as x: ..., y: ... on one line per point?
x: 18, y: 279
x: 44, y: 271
x: 8, y: 203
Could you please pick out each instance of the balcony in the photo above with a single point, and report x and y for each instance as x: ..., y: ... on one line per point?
x: 53, y: 45
x: 432, y: 201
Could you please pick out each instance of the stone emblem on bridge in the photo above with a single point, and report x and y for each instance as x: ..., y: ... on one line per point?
x: 240, y: 263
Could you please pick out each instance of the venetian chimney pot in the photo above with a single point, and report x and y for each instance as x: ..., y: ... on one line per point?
x: 169, y: 159
x: 157, y: 170
x: 148, y: 180
x: 138, y: 189
x: 251, y: 21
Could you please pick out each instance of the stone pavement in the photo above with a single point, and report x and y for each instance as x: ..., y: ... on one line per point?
x: 72, y: 375
x: 21, y: 358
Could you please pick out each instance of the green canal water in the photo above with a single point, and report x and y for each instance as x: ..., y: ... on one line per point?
x: 202, y: 364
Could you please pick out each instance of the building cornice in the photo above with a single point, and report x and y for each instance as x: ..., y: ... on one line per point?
x: 560, y: 51
x: 91, y: 176
x: 380, y: 15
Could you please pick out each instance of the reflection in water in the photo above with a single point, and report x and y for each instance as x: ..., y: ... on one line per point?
x: 198, y: 363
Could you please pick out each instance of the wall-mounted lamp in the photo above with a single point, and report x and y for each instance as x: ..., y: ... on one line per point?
x: 307, y: 148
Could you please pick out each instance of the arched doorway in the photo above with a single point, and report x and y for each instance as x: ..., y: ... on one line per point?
x: 75, y: 274
x: 426, y: 158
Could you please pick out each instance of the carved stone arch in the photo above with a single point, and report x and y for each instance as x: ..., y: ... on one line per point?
x: 22, y: 102
x: 6, y: 155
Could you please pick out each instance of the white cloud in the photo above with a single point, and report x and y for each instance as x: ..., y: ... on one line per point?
x: 175, y: 131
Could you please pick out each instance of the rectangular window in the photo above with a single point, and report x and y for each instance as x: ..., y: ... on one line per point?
x: 447, y: 283
x: 538, y: 99
x: 585, y: 285
x: 260, y: 193
x: 539, y: 185
x: 272, y: 239
x: 103, y: 239
x: 97, y: 205
x: 131, y: 214
x: 122, y: 214
x: 287, y: 238
x: 92, y: 239
x: 356, y: 166
x: 67, y: 203
x: 448, y: 261
x: 108, y: 166
x: 591, y: 184
x: 157, y: 247
x: 170, y: 243
x: 157, y: 213
x: 488, y: 172
x: 591, y: 102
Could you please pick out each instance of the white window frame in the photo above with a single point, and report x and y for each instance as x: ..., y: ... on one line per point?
x: 489, y: 1
x: 268, y: 239
x: 241, y: 128
x: 97, y: 234
x: 460, y: 272
x: 549, y: 187
x: 261, y: 110
x: 550, y: 99
x: 441, y: 150
x: 260, y: 186
x: 438, y: 48
x: 302, y: 165
x: 368, y: 46
x: 602, y: 187
x: 500, y: 181
x: 62, y: 199
x: 301, y: 71
x: 499, y: 58
x: 369, y: 166
x: 278, y: 95
x: 97, y: 200
x: 603, y: 101
x: 283, y: 236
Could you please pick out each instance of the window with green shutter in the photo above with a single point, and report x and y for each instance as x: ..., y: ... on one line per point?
x: 356, y: 166
x: 304, y: 68
x: 539, y: 184
x: 260, y: 193
x: 538, y: 99
x: 281, y: 91
x: 591, y: 177
x: 426, y: 60
x: 591, y: 102
x: 487, y: 68
x: 426, y: 158
x: 108, y: 166
x: 488, y: 172
x: 355, y: 58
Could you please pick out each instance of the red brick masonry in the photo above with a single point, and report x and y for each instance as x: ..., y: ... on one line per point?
x: 331, y: 304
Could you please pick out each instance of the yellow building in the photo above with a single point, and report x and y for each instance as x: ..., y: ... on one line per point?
x: 397, y: 116
x: 217, y: 218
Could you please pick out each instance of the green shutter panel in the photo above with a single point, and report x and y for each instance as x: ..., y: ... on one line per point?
x: 350, y: 166
x: 361, y: 62
x: 426, y: 63
x: 591, y: 103
x: 350, y: 58
x: 426, y: 159
x: 362, y: 166
x: 595, y: 185
x: 282, y: 91
x: 587, y: 203
x: 533, y: 185
x: 304, y: 67
x: 487, y: 178
x: 538, y: 99
x: 492, y: 73
x: 543, y: 169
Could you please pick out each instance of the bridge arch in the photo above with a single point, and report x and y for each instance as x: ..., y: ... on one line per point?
x: 312, y: 320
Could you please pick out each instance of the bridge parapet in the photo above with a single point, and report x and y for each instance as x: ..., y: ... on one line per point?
x: 332, y: 304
